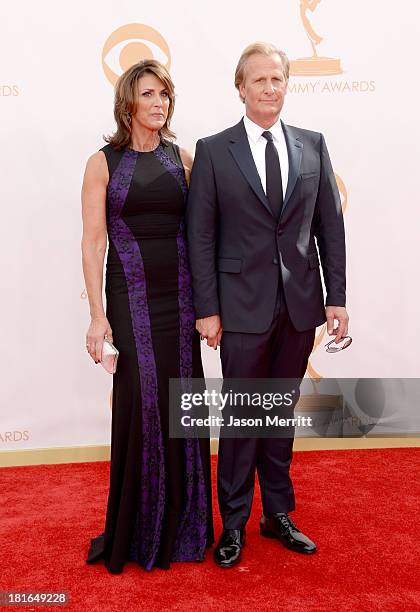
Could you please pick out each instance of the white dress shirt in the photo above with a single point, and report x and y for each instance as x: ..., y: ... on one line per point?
x: 257, y: 142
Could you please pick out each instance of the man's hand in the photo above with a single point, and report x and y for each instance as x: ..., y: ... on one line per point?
x: 340, y: 314
x: 210, y: 328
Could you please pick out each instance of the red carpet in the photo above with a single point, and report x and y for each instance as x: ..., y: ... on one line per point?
x: 360, y: 507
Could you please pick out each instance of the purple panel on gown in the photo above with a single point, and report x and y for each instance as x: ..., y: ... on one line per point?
x: 152, y: 495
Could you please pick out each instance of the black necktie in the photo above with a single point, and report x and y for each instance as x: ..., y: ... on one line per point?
x: 274, y: 187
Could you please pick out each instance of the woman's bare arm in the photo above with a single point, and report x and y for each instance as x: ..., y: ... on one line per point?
x: 94, y: 243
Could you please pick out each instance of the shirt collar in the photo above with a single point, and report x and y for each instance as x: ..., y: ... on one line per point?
x: 254, y: 130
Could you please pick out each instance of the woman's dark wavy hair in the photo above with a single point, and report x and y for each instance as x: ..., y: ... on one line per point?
x: 125, y: 102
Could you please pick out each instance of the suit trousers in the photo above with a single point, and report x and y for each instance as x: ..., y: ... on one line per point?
x: 280, y: 352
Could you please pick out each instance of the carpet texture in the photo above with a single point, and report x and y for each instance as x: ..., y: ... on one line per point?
x: 361, y: 507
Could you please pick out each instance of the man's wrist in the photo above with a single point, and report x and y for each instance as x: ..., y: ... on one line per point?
x: 204, y: 313
x: 333, y: 302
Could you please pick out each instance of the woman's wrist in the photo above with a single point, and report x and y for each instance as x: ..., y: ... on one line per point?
x: 97, y: 316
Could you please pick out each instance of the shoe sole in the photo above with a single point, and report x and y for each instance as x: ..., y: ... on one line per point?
x: 272, y: 536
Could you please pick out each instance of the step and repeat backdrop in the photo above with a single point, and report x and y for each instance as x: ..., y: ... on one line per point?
x: 353, y: 78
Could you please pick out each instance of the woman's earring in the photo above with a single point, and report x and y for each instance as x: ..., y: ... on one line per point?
x: 129, y: 118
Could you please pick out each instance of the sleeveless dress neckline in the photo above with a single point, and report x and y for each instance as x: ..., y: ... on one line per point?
x: 143, y: 152
x: 160, y: 146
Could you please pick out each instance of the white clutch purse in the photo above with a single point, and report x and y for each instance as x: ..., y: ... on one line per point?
x: 109, y: 356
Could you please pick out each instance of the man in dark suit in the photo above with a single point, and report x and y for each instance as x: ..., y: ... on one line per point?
x: 262, y: 198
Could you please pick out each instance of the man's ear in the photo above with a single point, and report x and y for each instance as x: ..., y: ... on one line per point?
x: 242, y: 91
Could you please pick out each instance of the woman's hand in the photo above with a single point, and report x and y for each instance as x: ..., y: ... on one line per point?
x: 99, y: 328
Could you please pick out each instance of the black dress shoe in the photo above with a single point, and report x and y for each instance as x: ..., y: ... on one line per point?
x: 281, y: 527
x: 228, y: 550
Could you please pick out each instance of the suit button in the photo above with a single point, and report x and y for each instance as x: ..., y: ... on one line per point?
x: 279, y: 231
x: 275, y: 261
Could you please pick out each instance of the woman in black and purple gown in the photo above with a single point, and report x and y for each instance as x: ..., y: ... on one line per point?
x: 134, y: 191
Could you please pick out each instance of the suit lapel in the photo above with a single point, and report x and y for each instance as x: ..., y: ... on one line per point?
x: 295, y: 151
x: 241, y: 151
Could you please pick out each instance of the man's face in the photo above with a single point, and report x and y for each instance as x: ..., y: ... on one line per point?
x: 263, y: 88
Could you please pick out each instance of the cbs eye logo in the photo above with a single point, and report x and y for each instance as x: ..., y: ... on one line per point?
x: 131, y: 44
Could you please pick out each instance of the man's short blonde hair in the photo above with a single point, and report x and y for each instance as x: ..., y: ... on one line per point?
x: 261, y: 48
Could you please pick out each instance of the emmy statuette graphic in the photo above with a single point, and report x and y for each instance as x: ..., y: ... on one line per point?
x: 314, y: 65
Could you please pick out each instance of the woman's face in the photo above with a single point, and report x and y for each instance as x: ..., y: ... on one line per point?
x: 153, y: 103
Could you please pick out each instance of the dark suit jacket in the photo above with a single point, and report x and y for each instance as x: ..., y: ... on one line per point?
x: 237, y: 248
